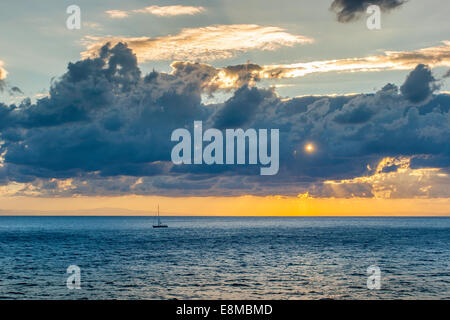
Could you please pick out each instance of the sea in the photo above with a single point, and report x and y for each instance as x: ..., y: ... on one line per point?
x: 224, y: 258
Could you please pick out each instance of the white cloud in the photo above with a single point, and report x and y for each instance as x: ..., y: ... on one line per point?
x: 164, y: 11
x: 217, y: 42
x: 390, y: 60
x: 205, y: 43
x: 227, y: 78
x: 169, y: 11
x: 117, y: 14
x: 3, y: 72
x: 235, y: 76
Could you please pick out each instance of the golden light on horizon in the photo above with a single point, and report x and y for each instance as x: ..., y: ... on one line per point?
x: 301, y: 205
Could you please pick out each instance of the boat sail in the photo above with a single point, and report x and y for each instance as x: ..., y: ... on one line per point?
x: 159, y: 224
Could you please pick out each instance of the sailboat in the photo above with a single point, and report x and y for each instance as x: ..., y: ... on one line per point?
x: 160, y: 225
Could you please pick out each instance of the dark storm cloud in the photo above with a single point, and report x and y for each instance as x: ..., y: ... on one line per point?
x: 354, y: 115
x: 240, y: 110
x: 349, y: 10
x: 107, y: 128
x: 419, y: 84
x: 15, y: 90
x: 100, y: 116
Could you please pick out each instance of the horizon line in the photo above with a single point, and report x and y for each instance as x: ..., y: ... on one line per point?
x: 231, y: 216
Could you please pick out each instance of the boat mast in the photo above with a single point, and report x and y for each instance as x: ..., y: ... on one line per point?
x: 159, y: 221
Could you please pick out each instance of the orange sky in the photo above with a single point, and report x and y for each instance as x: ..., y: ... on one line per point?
x: 241, y: 206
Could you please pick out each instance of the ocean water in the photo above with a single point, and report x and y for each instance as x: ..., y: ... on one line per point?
x: 224, y: 258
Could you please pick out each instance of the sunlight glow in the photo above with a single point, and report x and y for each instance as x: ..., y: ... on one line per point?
x: 309, y: 147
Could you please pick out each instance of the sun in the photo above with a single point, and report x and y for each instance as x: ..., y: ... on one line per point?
x: 309, y: 147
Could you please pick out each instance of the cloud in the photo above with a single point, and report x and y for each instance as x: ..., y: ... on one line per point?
x: 105, y: 129
x: 161, y: 11
x: 117, y: 14
x: 447, y: 74
x: 232, y: 77
x: 390, y: 60
x: 92, y: 25
x: 204, y: 43
x: 419, y: 84
x: 3, y: 74
x: 349, y: 10
x: 16, y: 90
x: 393, y: 178
x: 169, y: 11
x: 212, y: 79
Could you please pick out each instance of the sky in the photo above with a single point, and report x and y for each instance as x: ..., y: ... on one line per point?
x: 86, y: 115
